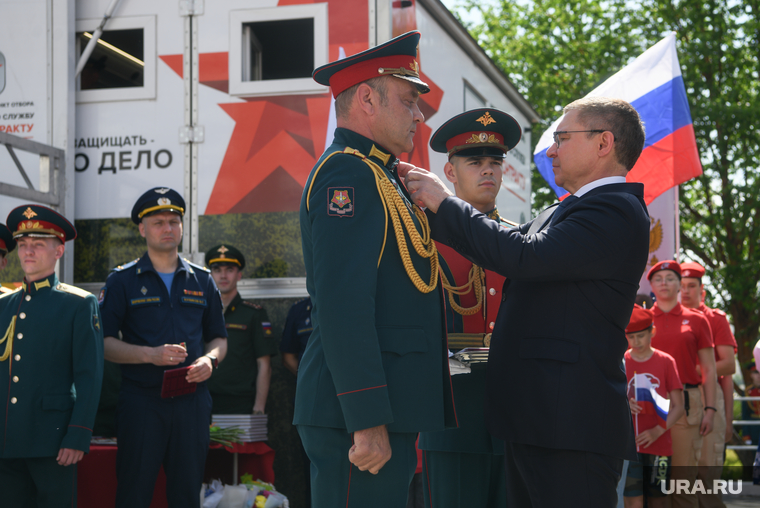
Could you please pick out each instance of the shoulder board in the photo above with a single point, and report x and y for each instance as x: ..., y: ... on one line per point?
x: 125, y: 266
x: 199, y: 267
x: 508, y: 223
x: 251, y: 304
x: 3, y: 294
x: 73, y: 290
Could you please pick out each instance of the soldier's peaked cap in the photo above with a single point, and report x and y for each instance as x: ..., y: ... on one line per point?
x: 158, y: 199
x: 226, y: 254
x: 478, y: 132
x: 397, y: 57
x: 41, y: 222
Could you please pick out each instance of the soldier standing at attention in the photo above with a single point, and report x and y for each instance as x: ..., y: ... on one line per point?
x: 51, y: 368
x: 241, y: 384
x: 374, y: 372
x: 465, y: 466
x: 7, y: 244
x: 169, y: 312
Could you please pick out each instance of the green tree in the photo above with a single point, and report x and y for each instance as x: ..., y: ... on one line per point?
x: 556, y: 51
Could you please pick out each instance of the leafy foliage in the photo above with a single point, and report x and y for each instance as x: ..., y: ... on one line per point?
x: 557, y: 51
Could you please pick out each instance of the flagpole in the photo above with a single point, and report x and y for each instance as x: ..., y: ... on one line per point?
x: 636, y: 398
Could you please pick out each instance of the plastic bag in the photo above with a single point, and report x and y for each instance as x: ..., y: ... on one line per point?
x: 234, y: 496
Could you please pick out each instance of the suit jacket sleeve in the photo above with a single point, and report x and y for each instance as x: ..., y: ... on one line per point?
x: 88, y: 374
x: 345, y: 267
x: 579, y: 246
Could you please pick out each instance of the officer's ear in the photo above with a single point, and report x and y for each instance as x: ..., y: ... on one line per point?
x: 60, y: 248
x: 141, y: 227
x: 450, y: 171
x: 239, y: 274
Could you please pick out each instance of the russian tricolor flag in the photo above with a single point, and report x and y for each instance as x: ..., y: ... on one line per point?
x: 653, y: 85
x: 650, y: 401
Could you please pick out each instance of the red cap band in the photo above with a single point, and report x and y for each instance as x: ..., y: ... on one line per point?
x: 362, y: 71
x: 475, y: 138
x: 40, y: 227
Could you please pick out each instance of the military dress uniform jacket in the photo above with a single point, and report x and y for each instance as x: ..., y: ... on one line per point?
x: 51, y: 381
x: 135, y: 300
x: 554, y: 376
x: 377, y: 354
x: 249, y: 336
x: 471, y: 436
x: 298, y: 328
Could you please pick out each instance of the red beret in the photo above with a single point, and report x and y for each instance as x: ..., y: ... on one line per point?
x: 641, y: 319
x: 668, y: 264
x: 692, y: 269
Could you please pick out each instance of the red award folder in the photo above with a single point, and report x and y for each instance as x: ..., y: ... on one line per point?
x: 175, y: 383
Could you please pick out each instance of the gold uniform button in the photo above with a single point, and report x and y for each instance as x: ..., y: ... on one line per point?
x: 20, y: 336
x: 491, y: 325
x: 15, y: 379
x: 28, y: 297
x: 492, y: 291
x: 22, y: 315
x: 14, y: 400
x: 17, y: 357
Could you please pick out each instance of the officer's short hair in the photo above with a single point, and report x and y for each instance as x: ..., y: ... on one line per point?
x: 344, y: 99
x: 618, y: 117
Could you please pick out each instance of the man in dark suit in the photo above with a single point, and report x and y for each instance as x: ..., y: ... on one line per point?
x: 374, y: 373
x: 555, y: 391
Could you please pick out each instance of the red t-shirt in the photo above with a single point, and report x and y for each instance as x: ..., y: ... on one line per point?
x: 721, y: 329
x: 663, y: 374
x: 681, y: 333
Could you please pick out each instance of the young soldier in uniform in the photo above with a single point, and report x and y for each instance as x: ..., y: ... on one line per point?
x: 169, y: 313
x: 296, y: 334
x: 648, y: 476
x: 711, y: 461
x: 7, y: 244
x: 465, y: 466
x: 51, y: 368
x: 374, y: 372
x: 685, y: 335
x: 241, y: 384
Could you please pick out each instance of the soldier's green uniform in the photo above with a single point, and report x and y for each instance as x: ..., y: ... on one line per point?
x: 51, y: 367
x: 249, y: 337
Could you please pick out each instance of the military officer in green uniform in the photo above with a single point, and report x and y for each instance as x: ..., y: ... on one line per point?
x: 7, y: 244
x: 51, y: 367
x: 465, y: 466
x: 374, y: 372
x: 241, y: 384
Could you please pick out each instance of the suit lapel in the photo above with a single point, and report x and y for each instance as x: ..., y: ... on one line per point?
x: 542, y: 220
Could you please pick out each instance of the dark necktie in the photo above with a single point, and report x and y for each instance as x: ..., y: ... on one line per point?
x: 562, y: 205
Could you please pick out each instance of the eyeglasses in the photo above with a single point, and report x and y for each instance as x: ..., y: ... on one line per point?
x: 557, y: 133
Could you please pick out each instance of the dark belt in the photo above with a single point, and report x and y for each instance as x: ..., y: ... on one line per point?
x: 464, y: 340
x: 687, y: 386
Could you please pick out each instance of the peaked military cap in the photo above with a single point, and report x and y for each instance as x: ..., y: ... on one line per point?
x: 485, y: 131
x: 40, y: 222
x: 158, y: 199
x: 225, y: 253
x: 7, y: 243
x: 397, y: 58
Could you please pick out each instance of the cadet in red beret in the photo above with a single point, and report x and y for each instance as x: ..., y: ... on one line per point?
x: 711, y: 461
x: 685, y: 335
x: 647, y: 368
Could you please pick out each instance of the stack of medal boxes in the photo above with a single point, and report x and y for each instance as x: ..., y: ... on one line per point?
x: 253, y: 427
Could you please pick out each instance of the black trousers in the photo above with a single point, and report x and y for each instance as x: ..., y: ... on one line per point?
x: 37, y: 482
x: 539, y: 477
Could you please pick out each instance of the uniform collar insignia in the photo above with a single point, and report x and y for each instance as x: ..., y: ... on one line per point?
x: 375, y: 152
x: 39, y: 285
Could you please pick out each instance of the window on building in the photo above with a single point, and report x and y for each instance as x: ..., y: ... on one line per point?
x: 117, y: 61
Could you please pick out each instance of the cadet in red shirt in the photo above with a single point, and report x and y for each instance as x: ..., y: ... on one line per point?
x: 653, y: 368
x: 685, y: 335
x: 711, y: 461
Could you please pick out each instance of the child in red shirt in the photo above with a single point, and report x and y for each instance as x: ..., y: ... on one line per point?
x: 657, y: 369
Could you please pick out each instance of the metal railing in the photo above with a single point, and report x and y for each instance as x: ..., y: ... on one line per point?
x: 745, y: 423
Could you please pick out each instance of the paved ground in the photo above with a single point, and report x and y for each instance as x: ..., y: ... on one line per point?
x: 749, y: 497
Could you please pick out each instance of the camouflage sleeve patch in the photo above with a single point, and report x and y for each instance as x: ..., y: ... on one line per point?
x: 340, y: 201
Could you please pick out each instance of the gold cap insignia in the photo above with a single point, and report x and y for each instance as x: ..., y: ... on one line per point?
x: 164, y: 201
x: 486, y: 119
x: 415, y: 66
x: 29, y: 213
x: 221, y: 250
x: 481, y: 138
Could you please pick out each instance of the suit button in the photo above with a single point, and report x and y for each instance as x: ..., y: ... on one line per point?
x: 28, y: 297
x: 492, y: 291
x: 15, y: 379
x: 17, y: 357
x: 20, y: 336
x: 22, y: 315
x: 14, y: 400
x: 491, y: 325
